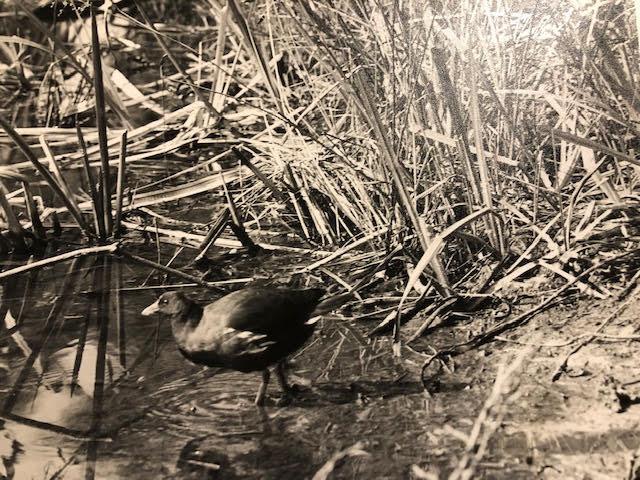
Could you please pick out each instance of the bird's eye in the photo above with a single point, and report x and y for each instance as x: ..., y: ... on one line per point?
x: 164, y: 301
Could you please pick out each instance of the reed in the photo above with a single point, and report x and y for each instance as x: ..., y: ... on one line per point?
x: 477, y: 139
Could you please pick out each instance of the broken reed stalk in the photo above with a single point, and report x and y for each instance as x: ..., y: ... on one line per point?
x: 236, y: 223
x: 96, y: 203
x: 120, y: 183
x: 12, y: 220
x: 436, y: 246
x: 32, y: 210
x: 26, y: 150
x: 217, y: 227
x: 15, y: 229
x: 101, y: 121
x: 343, y: 250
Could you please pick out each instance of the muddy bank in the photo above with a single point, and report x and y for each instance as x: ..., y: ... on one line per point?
x: 147, y: 413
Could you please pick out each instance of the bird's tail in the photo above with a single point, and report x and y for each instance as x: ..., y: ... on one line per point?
x: 331, y: 303
x: 312, y: 296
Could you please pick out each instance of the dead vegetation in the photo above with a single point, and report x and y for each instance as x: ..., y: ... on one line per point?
x: 482, y: 148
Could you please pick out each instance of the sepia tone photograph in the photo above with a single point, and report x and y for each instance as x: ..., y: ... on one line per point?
x: 319, y: 239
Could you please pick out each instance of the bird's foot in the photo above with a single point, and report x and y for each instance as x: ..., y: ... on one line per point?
x: 294, y: 389
x: 284, y: 401
x: 291, y: 392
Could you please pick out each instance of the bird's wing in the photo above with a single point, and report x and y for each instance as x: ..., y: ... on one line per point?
x: 249, y: 343
x: 269, y: 311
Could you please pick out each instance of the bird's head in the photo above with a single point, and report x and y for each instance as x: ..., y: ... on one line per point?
x: 169, y: 303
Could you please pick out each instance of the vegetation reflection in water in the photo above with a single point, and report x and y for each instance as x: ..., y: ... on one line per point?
x: 66, y: 350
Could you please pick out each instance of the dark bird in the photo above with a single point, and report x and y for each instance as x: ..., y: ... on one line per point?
x: 248, y: 330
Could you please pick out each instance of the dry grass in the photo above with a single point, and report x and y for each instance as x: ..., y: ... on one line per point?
x: 481, y: 139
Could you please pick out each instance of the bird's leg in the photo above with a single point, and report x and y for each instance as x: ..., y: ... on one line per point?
x: 287, y: 391
x: 263, y: 387
x: 281, y: 374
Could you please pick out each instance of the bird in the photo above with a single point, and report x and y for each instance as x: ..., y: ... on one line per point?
x: 248, y: 330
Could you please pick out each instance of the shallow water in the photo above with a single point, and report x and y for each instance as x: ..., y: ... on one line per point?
x: 91, y: 389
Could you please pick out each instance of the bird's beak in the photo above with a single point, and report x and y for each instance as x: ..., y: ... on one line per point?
x: 151, y: 309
